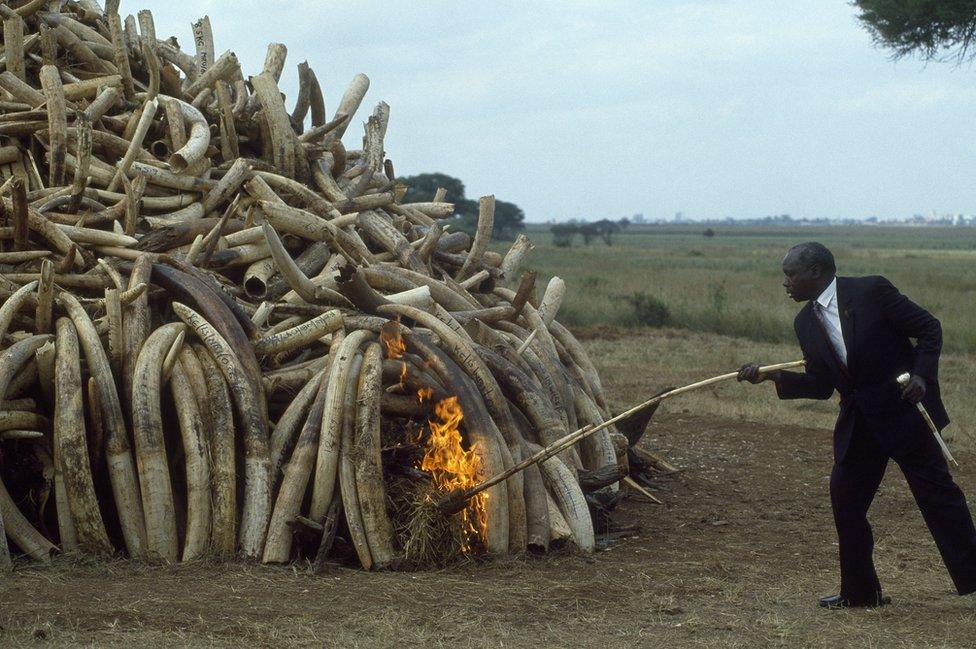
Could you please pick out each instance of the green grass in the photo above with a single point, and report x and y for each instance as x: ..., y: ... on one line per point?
x: 730, y: 284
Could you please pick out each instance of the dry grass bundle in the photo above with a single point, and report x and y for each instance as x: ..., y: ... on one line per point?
x: 428, y: 538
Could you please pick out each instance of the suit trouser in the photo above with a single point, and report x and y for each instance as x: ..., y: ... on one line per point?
x: 855, y: 480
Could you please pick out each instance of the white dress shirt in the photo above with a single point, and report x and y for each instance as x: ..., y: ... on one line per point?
x: 828, y: 311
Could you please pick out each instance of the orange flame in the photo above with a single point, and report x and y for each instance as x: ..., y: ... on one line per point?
x: 451, y: 467
x: 395, y: 347
x: 393, y: 342
x: 454, y: 468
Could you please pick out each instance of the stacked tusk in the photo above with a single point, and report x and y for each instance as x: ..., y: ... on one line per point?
x: 199, y: 297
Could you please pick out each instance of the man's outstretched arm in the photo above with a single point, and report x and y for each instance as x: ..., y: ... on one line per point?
x: 813, y: 383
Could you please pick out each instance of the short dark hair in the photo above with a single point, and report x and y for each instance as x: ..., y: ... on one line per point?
x: 812, y: 253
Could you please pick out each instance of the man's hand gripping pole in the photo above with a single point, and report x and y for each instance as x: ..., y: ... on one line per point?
x: 903, y: 380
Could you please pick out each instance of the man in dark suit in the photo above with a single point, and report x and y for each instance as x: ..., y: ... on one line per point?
x: 855, y: 333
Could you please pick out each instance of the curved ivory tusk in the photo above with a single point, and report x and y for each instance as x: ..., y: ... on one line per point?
x: 8, y: 435
x: 257, y: 276
x: 223, y: 68
x: 559, y: 531
x: 19, y: 529
x: 370, y: 489
x: 350, y: 101
x: 297, y: 472
x: 552, y: 300
x: 147, y: 428
x: 347, y: 470
x: 283, y: 140
x: 70, y: 445
x: 596, y: 451
x: 13, y: 304
x: 120, y: 54
x: 199, y: 139
x: 172, y: 355
x: 45, y: 298
x: 83, y: 132
x: 121, y: 468
x: 135, y: 321
x: 135, y: 144
x: 57, y: 122
x: 327, y: 461
x: 19, y: 404
x: 300, y: 335
x: 569, y: 497
x: 482, y: 237
x: 381, y: 230
x: 257, y: 478
x: 97, y: 237
x: 582, y: 360
x: 116, y: 345
x: 197, y: 538
x: 297, y: 280
x: 418, y: 297
x: 16, y: 356
x: 282, y: 437
x: 515, y: 256
x: 223, y: 472
x: 304, y: 100
x: 13, y: 47
x: 229, y: 141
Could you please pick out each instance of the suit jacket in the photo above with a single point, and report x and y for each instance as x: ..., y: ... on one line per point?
x: 878, y: 324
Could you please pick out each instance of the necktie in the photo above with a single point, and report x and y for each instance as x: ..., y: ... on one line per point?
x: 818, y: 309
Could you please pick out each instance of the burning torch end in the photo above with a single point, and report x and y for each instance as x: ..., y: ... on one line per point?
x: 454, y: 502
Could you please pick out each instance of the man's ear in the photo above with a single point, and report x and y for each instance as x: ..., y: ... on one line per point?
x: 816, y: 272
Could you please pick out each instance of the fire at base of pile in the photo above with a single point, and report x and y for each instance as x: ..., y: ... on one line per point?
x: 199, y: 296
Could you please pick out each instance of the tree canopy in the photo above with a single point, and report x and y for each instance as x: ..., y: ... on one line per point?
x: 509, y: 217
x: 932, y: 29
x: 564, y: 233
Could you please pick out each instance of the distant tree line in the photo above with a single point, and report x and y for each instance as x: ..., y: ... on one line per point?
x: 509, y: 217
x: 563, y: 234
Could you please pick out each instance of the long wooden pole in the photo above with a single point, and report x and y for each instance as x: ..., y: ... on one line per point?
x: 903, y: 380
x: 455, y: 502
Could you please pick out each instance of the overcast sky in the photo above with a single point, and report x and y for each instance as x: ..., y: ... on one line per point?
x: 605, y: 109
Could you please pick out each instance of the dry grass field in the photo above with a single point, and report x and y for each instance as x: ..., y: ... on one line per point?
x: 731, y: 283
x: 736, y: 556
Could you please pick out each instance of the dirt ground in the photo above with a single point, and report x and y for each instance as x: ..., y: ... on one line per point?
x: 736, y: 557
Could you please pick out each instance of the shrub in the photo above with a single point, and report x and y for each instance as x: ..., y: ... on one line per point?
x: 563, y: 234
x: 649, y: 311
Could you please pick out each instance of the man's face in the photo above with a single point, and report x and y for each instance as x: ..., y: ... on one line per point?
x: 802, y: 281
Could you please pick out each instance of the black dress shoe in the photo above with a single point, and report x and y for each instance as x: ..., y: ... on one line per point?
x: 839, y: 601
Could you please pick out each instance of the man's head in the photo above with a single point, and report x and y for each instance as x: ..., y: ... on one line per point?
x: 808, y: 269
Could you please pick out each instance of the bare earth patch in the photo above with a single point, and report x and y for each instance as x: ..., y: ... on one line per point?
x: 735, y: 558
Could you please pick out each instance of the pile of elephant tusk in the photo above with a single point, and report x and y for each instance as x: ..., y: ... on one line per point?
x: 225, y: 335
